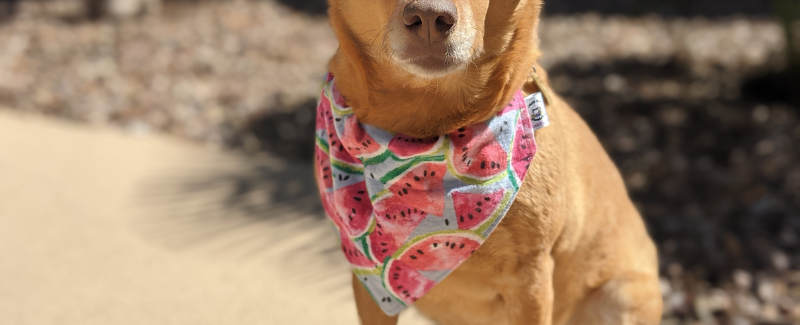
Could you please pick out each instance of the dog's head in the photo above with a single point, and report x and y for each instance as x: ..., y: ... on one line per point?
x: 447, y: 51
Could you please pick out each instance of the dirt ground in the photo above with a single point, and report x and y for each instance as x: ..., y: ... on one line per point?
x: 692, y: 110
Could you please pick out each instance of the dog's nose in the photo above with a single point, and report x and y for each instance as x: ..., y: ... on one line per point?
x: 430, y: 19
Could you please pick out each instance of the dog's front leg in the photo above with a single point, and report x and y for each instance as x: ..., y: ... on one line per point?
x: 368, y: 310
x: 534, y: 300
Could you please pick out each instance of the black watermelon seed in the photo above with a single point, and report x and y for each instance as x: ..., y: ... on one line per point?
x: 425, y: 173
x: 384, y: 244
x: 400, y: 193
x: 347, y: 177
x: 420, y: 251
x: 384, y: 250
x: 379, y: 225
x: 493, y: 164
x: 470, y: 253
x: 435, y: 244
x: 325, y: 177
x: 351, y: 218
x: 340, y: 177
x: 405, y: 191
x: 341, y: 148
x: 462, y: 218
x: 486, y: 198
x: 387, y: 216
x: 469, y: 215
x: 413, y: 257
x: 361, y: 192
x: 333, y: 143
x: 462, y: 246
x: 405, y: 291
x: 416, y: 178
x: 338, y: 119
x: 403, y: 213
x: 399, y: 287
x: 325, y: 169
x: 398, y: 268
x: 384, y: 299
x: 364, y: 144
x: 357, y: 198
x: 389, y: 299
x: 464, y: 149
x: 483, y: 164
x: 433, y: 173
x: 369, y: 142
x: 523, y: 146
x: 407, y: 184
x: 461, y: 130
x: 370, y: 175
x: 447, y: 244
x: 461, y: 135
x: 453, y: 245
x: 478, y: 209
x: 446, y: 222
x: 479, y: 203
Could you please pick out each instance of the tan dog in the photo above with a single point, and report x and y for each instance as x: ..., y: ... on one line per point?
x: 572, y: 249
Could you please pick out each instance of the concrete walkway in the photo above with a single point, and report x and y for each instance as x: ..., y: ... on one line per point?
x: 100, y: 227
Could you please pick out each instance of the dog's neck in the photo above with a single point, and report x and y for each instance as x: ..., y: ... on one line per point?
x: 384, y: 95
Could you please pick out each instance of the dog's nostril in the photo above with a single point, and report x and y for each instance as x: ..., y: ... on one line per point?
x: 413, y: 21
x: 430, y: 20
x: 444, y: 24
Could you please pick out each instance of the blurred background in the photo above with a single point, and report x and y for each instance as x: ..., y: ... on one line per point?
x: 155, y: 149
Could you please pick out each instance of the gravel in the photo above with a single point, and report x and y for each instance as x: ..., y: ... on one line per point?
x: 712, y: 164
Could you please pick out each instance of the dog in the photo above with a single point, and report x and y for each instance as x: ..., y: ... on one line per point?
x: 572, y: 248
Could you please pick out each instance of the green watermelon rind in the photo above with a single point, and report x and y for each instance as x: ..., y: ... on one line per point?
x: 380, y: 195
x: 400, y: 171
x: 377, y: 159
x: 322, y: 143
x: 377, y: 271
x: 469, y: 180
x: 389, y: 154
x: 345, y: 167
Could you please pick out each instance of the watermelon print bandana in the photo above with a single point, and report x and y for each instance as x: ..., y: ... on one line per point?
x: 409, y: 210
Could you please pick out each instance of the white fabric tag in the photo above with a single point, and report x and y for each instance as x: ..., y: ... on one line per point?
x: 536, y: 107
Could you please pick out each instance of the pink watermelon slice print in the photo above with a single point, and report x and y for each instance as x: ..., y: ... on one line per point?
x: 422, y: 187
x: 323, y: 167
x: 405, y: 282
x: 473, y: 209
x: 338, y: 99
x: 475, y: 154
x: 353, y: 208
x: 357, y: 141
x: 524, y: 147
x: 404, y: 146
x: 440, y: 252
x: 394, y: 222
x: 354, y: 254
x: 335, y: 146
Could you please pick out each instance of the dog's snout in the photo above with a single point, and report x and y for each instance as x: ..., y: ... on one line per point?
x: 430, y: 19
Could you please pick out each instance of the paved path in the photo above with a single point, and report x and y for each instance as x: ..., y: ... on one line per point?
x: 100, y: 227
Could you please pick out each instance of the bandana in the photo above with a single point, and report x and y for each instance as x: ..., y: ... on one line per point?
x: 410, y: 210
